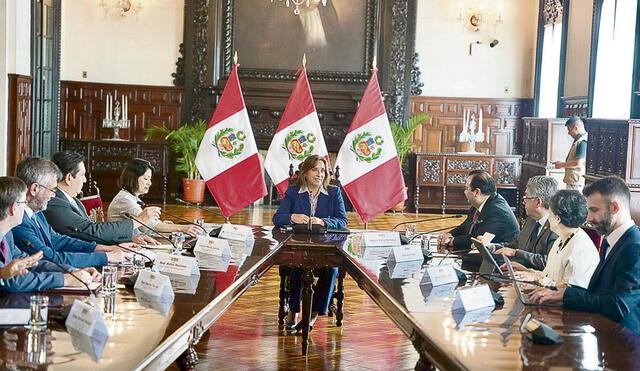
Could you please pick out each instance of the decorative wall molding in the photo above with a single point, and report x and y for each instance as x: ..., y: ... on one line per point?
x: 502, y: 123
x: 552, y: 11
x: 19, y: 123
x: 83, y: 108
x: 574, y: 106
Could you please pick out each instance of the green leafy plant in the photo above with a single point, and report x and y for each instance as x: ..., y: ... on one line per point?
x: 184, y: 142
x: 402, y: 135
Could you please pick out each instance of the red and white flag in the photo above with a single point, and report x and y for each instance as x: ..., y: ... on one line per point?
x: 228, y: 156
x: 370, y: 172
x: 298, y: 135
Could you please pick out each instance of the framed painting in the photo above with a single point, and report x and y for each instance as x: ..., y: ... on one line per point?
x: 337, y: 37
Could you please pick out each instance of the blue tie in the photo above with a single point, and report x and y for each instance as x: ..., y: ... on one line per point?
x: 603, y: 249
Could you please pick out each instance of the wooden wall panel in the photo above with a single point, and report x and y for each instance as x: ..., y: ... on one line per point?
x: 19, y: 124
x: 502, y: 123
x: 574, y: 106
x: 633, y: 149
x: 83, y: 108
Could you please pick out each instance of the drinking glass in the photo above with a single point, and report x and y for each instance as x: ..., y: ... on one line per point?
x: 109, y: 277
x: 39, y: 305
x: 410, y: 230
x: 177, y: 238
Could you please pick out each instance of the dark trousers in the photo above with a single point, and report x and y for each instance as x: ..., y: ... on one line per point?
x: 322, y: 293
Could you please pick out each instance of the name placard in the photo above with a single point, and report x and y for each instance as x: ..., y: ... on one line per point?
x: 212, y: 246
x: 14, y: 316
x: 438, y: 293
x: 405, y: 253
x: 184, y: 284
x: 404, y: 269
x: 381, y: 238
x: 153, y: 283
x: 177, y: 264
x: 440, y: 275
x: 375, y: 252
x: 86, y: 320
x: 162, y: 304
x: 236, y: 232
x: 473, y: 298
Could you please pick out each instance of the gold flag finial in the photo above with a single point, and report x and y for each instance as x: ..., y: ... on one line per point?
x: 304, y: 60
x: 374, y: 64
x: 235, y: 57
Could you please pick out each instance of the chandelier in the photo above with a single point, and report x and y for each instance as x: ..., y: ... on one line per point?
x: 121, y: 7
x: 299, y: 3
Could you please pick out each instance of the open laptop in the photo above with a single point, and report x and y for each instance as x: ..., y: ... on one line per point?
x: 524, y: 298
x: 489, y: 264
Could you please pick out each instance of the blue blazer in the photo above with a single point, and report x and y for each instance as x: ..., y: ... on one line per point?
x: 55, y: 246
x: 614, y: 289
x: 329, y: 208
x: 43, y: 276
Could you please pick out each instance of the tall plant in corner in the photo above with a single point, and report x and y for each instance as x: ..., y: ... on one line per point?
x: 184, y: 142
x: 402, y: 135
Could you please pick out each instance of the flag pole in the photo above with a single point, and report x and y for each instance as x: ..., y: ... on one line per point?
x: 374, y: 65
x: 235, y: 57
x: 304, y: 60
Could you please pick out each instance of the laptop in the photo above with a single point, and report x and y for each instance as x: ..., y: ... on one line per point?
x: 489, y: 264
x: 524, y: 298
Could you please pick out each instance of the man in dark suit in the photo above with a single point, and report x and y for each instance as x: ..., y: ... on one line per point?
x: 66, y: 214
x: 490, y: 212
x: 41, y: 175
x: 614, y: 288
x: 41, y: 275
x: 532, y: 244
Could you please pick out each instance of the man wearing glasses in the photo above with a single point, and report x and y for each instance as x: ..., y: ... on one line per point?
x: 41, y: 177
x: 19, y: 272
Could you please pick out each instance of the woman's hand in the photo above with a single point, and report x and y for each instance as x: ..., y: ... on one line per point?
x: 299, y: 218
x: 191, y: 230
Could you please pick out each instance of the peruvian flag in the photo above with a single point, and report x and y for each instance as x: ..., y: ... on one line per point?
x: 370, y: 172
x: 298, y: 135
x: 228, y: 156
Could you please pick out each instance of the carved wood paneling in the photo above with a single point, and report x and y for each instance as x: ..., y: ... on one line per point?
x: 502, y: 124
x: 19, y: 124
x: 574, y: 106
x: 633, y: 158
x: 607, y: 149
x: 83, y: 108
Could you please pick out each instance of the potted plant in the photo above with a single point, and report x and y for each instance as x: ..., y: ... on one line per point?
x: 184, y: 142
x: 402, y: 134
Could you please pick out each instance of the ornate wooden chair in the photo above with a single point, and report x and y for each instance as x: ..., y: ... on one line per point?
x: 593, y: 234
x: 93, y: 203
x: 337, y: 300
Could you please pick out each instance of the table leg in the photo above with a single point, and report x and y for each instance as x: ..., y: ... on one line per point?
x: 188, y: 359
x: 340, y: 297
x: 307, y: 295
x: 284, y: 276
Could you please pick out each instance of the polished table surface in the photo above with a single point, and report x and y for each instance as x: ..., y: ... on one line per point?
x: 150, y: 334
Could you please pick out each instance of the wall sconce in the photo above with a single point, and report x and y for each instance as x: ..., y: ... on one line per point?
x: 121, y: 7
x: 476, y: 15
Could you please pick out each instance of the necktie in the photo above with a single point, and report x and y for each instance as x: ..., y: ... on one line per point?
x: 3, y: 250
x: 534, y: 232
x: 603, y: 249
x: 476, y: 218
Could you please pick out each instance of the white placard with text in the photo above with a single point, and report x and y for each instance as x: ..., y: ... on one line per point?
x: 86, y: 319
x: 177, y: 264
x: 472, y: 298
x: 14, y: 316
x: 440, y: 275
x: 153, y: 283
x: 405, y: 253
x: 381, y: 238
x: 236, y: 232
x: 212, y: 246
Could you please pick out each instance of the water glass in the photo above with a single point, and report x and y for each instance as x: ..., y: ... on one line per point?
x: 109, y: 277
x: 39, y: 305
x: 109, y: 305
x: 138, y: 263
x: 200, y: 223
x: 410, y: 230
x: 37, y: 341
x: 177, y: 238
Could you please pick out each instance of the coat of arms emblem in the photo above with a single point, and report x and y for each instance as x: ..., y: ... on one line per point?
x: 299, y: 145
x: 228, y: 142
x: 367, y: 146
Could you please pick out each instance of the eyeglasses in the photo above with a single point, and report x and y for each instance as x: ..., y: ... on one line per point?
x: 48, y: 189
x: 529, y: 198
x: 21, y: 202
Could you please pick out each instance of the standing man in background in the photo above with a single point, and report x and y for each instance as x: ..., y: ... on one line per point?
x: 575, y: 166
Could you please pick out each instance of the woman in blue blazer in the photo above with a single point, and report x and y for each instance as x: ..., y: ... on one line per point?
x: 311, y: 197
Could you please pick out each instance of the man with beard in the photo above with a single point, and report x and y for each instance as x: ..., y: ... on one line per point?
x: 614, y: 289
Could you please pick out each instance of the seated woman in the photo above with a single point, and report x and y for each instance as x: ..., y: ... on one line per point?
x: 134, y: 182
x: 573, y: 257
x: 311, y: 197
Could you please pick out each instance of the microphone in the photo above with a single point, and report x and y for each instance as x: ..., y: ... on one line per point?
x: 427, y: 232
x: 426, y: 220
x: 129, y: 216
x: 507, y: 278
x: 138, y: 253
x: 92, y: 295
x: 183, y: 202
x: 142, y: 204
x: 456, y: 252
x: 96, y: 238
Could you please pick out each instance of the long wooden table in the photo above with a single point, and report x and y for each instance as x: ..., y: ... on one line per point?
x: 150, y: 335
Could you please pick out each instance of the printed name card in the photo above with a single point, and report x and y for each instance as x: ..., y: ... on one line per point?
x: 212, y: 246
x: 236, y: 232
x: 381, y: 239
x: 153, y: 283
x: 375, y: 252
x: 472, y: 298
x: 440, y: 275
x: 438, y: 293
x: 405, y: 253
x: 177, y: 264
x: 86, y: 320
x: 404, y: 269
x: 14, y: 316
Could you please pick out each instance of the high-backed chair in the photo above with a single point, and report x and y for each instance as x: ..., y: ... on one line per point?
x: 93, y: 203
x: 593, y: 234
